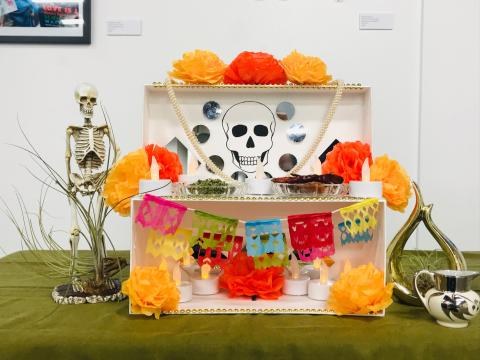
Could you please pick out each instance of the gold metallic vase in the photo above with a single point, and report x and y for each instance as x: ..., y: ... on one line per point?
x: 404, y: 289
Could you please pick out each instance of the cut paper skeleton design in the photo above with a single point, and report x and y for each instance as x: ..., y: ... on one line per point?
x: 249, y: 127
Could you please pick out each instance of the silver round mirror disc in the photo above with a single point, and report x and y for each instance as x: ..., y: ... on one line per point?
x: 296, y: 132
x: 287, y: 162
x: 217, y: 160
x: 202, y: 133
x: 212, y: 110
x: 239, y: 176
x: 285, y: 110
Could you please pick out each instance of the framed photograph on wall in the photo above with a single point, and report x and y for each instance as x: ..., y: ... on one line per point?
x: 45, y: 21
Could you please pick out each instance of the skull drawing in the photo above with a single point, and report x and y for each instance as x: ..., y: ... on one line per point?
x: 86, y: 95
x: 249, y: 127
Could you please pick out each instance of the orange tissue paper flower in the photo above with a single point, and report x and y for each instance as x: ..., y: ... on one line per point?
x: 396, y: 182
x: 361, y: 290
x: 255, y: 68
x: 122, y: 180
x: 151, y: 291
x: 168, y: 162
x: 346, y: 160
x: 305, y: 70
x: 241, y: 278
x: 199, y: 67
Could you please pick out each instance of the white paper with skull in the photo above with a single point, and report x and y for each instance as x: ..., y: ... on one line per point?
x: 248, y: 127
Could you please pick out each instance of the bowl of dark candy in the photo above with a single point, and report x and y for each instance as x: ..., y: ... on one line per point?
x: 327, y: 185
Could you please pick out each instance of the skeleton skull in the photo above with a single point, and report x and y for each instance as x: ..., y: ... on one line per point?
x: 249, y: 127
x: 86, y: 95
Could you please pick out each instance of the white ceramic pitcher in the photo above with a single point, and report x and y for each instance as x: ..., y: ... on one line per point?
x: 451, y: 301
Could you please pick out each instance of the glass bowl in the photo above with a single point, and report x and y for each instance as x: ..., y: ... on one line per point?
x: 311, y: 189
x: 224, y: 190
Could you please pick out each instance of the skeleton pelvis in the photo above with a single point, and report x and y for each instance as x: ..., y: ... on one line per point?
x: 86, y: 184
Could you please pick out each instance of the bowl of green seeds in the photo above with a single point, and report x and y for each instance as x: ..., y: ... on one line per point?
x: 211, y: 188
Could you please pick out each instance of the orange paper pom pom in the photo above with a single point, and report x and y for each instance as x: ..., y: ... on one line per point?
x: 241, y: 278
x: 255, y: 68
x: 122, y: 180
x: 199, y: 67
x: 168, y: 162
x: 360, y: 291
x: 396, y: 182
x: 346, y: 160
x: 305, y: 70
x: 151, y: 291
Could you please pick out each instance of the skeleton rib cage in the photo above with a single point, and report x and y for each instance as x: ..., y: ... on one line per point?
x: 89, y: 149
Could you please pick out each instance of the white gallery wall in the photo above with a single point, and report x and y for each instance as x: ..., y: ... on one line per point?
x: 424, y: 75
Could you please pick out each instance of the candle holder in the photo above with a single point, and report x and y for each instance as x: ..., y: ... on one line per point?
x: 366, y: 189
x: 208, y: 286
x: 319, y: 291
x: 259, y: 186
x: 185, y: 289
x: 296, y: 286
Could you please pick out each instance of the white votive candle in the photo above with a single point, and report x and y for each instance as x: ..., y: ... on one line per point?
x: 296, y: 286
x: 207, y: 286
x: 185, y: 289
x: 259, y: 186
x: 318, y: 290
x: 366, y: 189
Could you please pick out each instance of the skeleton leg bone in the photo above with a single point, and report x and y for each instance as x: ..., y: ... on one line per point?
x: 74, y: 237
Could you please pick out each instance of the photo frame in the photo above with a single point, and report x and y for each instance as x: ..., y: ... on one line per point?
x: 45, y: 21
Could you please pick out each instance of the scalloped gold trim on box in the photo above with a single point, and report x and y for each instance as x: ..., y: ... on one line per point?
x: 241, y: 86
x: 264, y: 199
x: 247, y: 311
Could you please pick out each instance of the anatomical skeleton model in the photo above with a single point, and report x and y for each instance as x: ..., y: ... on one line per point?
x: 90, y: 154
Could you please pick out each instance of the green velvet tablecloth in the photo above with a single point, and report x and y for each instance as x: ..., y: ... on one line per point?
x: 32, y: 326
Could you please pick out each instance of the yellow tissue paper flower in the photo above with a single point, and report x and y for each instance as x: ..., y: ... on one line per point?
x: 199, y: 67
x: 305, y: 70
x: 151, y: 291
x: 122, y: 180
x: 396, y: 182
x: 360, y: 291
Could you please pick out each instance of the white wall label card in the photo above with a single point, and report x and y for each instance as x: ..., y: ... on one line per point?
x: 376, y: 21
x: 124, y: 27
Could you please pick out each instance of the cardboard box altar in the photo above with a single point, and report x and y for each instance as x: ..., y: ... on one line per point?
x: 239, y: 125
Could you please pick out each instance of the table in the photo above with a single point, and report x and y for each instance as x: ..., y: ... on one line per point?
x: 33, y: 326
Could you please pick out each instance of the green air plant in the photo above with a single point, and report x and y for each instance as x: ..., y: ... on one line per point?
x: 413, y: 261
x: 90, y: 272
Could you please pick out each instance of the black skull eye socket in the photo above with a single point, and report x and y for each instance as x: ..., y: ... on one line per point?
x: 260, y: 130
x: 239, y: 130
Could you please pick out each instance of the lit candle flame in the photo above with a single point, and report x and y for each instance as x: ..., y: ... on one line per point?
x: 316, y: 263
x: 177, y: 276
x: 259, y: 170
x: 187, y: 260
x: 205, y: 271
x: 154, y: 169
x: 347, y: 267
x: 163, y: 265
x: 294, y: 268
x: 323, y: 274
x: 317, y: 167
x: 366, y: 171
